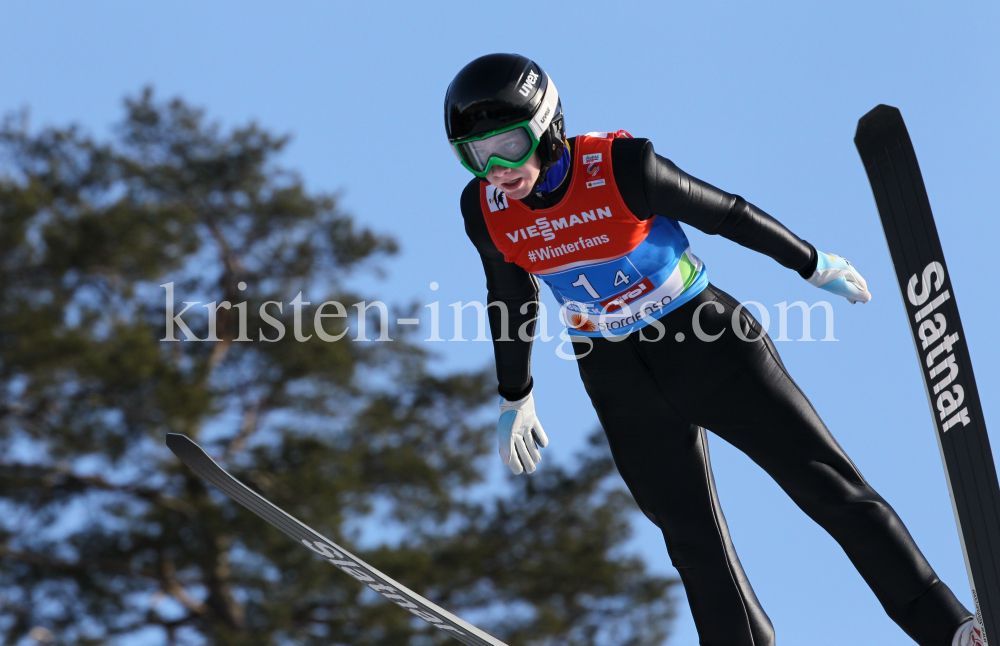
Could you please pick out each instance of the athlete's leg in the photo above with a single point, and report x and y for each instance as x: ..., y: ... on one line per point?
x: 664, y: 461
x: 744, y: 395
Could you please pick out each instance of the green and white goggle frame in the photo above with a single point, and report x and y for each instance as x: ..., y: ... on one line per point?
x: 509, y: 146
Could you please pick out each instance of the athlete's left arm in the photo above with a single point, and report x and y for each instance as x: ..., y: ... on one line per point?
x: 652, y: 185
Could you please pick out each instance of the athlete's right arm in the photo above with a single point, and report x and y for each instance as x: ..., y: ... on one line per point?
x: 517, y: 291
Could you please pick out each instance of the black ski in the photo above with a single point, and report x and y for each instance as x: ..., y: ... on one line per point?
x: 201, y: 463
x: 891, y: 164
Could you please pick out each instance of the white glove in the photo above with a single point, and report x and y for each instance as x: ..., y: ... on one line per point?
x: 838, y: 276
x: 518, y: 430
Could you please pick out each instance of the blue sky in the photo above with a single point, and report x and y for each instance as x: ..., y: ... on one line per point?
x: 760, y: 100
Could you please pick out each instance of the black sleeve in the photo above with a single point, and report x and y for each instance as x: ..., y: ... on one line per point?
x: 512, y: 288
x: 652, y: 185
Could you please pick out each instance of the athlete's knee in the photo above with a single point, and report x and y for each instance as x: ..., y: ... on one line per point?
x: 829, y: 492
x: 698, y: 548
x: 689, y: 555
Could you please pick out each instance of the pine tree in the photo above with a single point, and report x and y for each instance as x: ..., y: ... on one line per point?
x: 106, y: 538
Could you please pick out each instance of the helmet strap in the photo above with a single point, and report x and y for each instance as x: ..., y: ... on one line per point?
x: 549, y: 164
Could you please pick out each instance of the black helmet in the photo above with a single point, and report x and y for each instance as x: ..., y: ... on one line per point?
x: 496, y: 94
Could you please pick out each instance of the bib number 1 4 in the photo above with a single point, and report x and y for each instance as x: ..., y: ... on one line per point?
x: 621, y: 278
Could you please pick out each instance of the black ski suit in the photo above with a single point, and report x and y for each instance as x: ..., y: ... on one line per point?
x: 737, y: 389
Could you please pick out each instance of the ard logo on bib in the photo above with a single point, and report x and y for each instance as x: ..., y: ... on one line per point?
x: 496, y: 199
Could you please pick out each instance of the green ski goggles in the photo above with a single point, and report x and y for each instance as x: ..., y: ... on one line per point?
x: 510, y: 146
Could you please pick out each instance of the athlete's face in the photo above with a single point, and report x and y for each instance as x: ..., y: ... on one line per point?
x: 516, y: 182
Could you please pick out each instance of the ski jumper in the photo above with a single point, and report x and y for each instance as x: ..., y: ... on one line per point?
x: 736, y: 388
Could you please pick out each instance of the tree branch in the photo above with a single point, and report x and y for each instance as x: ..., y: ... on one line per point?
x: 173, y: 587
x: 248, y: 426
x: 61, y: 476
x: 105, y: 566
